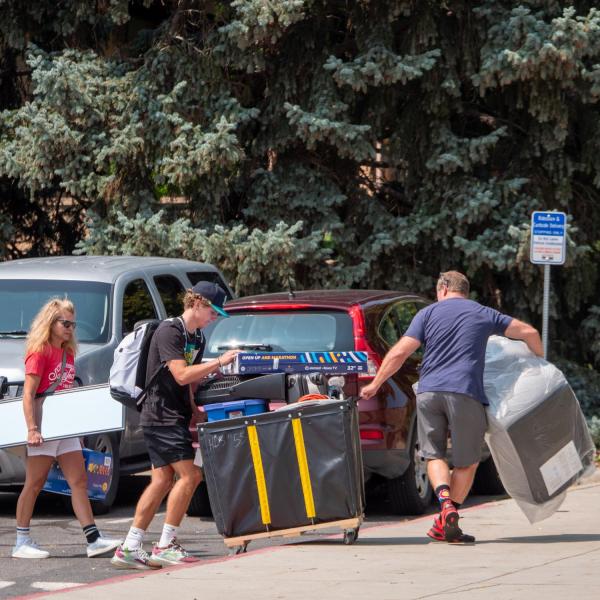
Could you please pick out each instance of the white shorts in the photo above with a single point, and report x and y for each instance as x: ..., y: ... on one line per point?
x: 55, y: 448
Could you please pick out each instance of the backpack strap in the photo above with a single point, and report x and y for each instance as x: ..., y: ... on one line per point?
x: 57, y: 381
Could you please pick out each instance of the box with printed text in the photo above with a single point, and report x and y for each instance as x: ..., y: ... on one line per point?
x: 334, y: 363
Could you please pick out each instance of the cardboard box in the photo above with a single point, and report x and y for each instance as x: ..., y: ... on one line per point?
x: 334, y: 363
x: 98, y: 467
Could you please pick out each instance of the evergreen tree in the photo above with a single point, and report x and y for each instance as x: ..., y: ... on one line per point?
x: 364, y: 143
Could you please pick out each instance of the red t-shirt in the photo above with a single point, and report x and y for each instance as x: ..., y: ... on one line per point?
x: 46, y: 365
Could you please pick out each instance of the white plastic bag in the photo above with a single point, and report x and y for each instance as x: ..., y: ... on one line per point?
x: 536, y: 431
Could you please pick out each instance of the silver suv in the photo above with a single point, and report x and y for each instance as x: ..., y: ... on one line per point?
x: 111, y: 294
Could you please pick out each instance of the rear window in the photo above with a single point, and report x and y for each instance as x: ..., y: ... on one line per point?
x: 282, y: 331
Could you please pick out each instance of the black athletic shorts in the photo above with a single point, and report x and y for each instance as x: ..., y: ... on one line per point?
x: 168, y: 444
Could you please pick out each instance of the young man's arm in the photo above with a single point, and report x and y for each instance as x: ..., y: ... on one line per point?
x: 518, y: 330
x: 184, y: 374
x: 393, y: 361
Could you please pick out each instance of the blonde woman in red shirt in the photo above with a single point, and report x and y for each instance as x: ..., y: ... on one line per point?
x: 49, y: 366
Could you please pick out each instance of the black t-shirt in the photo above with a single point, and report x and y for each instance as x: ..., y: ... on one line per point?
x: 168, y: 403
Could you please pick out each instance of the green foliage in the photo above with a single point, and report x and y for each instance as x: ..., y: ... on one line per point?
x: 591, y: 332
x: 594, y: 427
x: 370, y: 143
x: 242, y: 254
x: 585, y: 382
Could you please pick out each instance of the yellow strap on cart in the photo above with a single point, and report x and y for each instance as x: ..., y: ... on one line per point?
x: 259, y: 473
x: 309, y: 502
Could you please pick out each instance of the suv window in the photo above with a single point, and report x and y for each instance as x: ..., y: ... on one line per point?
x: 283, y: 331
x: 137, y: 305
x: 171, y: 292
x: 196, y: 276
x: 21, y: 299
x: 396, y: 320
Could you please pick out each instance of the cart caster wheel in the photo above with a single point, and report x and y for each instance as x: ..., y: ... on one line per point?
x: 350, y: 536
x: 238, y: 549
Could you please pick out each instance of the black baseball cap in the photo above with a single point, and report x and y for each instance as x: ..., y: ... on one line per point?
x: 213, y: 293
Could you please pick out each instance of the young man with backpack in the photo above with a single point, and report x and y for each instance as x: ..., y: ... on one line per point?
x: 177, y: 344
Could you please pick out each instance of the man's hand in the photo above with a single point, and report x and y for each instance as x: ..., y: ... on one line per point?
x: 393, y: 360
x: 368, y: 391
x: 228, y: 357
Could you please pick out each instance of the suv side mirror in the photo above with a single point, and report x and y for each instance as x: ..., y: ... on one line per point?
x: 3, y: 386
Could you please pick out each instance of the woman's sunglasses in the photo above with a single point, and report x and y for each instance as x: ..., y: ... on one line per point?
x: 67, y: 324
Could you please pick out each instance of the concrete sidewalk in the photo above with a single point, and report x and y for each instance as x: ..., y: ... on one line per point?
x: 557, y: 558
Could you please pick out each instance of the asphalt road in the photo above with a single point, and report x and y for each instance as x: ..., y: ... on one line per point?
x: 55, y: 529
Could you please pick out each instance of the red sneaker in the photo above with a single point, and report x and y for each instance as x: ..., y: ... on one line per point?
x: 436, y: 532
x: 449, y: 520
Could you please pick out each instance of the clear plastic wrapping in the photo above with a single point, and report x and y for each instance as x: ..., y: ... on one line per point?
x: 537, y: 434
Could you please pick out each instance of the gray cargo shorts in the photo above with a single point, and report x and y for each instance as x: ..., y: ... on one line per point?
x: 463, y: 416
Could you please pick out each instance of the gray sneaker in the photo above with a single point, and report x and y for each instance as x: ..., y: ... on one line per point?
x: 102, y: 545
x: 132, y: 559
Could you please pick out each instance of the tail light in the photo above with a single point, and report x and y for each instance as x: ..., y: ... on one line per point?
x: 371, y: 434
x: 360, y: 342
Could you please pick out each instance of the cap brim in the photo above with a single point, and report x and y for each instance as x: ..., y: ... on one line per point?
x: 219, y: 310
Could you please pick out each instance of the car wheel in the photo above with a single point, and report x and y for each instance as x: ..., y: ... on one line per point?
x: 411, y: 493
x: 487, y: 481
x: 108, y: 443
x: 200, y: 504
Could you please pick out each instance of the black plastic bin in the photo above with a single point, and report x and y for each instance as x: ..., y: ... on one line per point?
x: 290, y: 468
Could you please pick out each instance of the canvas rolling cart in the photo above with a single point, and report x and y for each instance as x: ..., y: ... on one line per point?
x: 286, y: 472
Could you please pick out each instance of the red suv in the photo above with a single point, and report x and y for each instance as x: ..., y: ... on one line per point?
x: 329, y: 320
x: 338, y: 320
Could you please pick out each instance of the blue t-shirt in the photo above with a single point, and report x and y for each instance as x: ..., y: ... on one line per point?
x: 455, y: 333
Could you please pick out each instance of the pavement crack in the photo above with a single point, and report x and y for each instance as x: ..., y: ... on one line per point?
x: 489, y: 580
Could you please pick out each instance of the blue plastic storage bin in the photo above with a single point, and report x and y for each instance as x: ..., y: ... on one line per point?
x: 239, y: 408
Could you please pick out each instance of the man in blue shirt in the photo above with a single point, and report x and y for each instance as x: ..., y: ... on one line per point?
x: 450, y: 394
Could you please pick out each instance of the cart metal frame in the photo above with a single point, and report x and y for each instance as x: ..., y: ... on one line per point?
x: 350, y: 527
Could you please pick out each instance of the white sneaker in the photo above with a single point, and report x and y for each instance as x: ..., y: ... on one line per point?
x: 29, y: 549
x: 101, y: 546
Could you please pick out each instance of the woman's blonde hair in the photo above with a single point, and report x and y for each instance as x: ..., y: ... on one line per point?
x: 41, y: 326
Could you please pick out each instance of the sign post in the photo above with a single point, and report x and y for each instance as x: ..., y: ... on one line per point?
x: 548, y: 247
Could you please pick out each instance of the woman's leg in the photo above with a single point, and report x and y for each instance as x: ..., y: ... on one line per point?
x: 37, y: 468
x: 73, y: 468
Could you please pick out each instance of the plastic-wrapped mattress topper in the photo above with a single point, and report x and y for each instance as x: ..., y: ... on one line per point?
x: 537, y: 434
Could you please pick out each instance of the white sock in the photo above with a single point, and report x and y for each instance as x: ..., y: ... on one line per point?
x: 22, y: 535
x: 168, y: 533
x: 134, y: 539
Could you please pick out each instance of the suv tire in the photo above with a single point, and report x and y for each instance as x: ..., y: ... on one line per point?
x: 411, y: 493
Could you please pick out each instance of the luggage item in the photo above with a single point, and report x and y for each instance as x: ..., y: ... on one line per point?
x: 285, y: 472
x: 537, y: 434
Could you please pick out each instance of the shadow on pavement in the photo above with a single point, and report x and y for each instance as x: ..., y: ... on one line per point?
x: 393, y: 541
x: 564, y: 538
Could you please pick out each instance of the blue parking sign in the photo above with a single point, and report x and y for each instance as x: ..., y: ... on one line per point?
x: 548, y: 238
